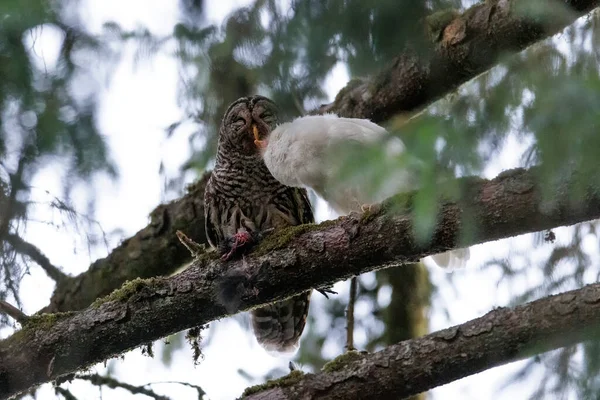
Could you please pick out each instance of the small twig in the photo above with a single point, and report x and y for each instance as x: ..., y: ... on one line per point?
x: 112, y: 383
x: 8, y: 261
x: 64, y: 393
x: 326, y: 291
x: 23, y: 247
x: 15, y: 186
x: 199, y: 390
x: 195, y: 248
x: 13, y: 312
x: 350, y: 316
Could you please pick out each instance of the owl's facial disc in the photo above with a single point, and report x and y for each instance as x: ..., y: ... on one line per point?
x: 261, y: 144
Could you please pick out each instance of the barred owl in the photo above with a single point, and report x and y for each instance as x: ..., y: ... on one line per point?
x: 243, y: 199
x: 309, y: 152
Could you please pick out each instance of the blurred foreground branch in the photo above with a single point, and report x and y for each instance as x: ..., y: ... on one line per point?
x: 284, y: 264
x: 414, y: 366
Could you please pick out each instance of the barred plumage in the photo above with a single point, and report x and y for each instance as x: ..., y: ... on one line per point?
x: 242, y: 198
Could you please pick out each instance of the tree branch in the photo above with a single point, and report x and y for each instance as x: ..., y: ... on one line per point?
x: 99, y: 380
x: 462, y: 48
x: 414, y: 366
x: 66, y: 394
x: 153, y: 251
x: 350, y: 315
x: 287, y: 263
x: 23, y: 247
x: 13, y: 312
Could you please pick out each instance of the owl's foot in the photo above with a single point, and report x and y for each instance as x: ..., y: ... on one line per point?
x: 240, y: 241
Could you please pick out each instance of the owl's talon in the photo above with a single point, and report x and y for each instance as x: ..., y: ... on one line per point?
x: 240, y: 240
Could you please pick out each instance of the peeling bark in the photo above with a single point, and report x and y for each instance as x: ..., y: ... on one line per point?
x: 153, y: 251
x: 461, y: 49
x: 284, y: 264
x: 413, y: 366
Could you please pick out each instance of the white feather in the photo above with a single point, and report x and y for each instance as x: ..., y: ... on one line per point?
x: 311, y: 152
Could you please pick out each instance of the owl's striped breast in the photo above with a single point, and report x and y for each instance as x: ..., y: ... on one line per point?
x: 244, y: 194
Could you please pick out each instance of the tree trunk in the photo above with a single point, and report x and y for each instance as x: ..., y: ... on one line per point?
x: 406, y: 317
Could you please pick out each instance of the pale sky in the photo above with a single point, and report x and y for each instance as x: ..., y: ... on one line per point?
x: 137, y: 104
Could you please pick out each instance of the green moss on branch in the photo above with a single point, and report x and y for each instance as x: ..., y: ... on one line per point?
x: 288, y: 380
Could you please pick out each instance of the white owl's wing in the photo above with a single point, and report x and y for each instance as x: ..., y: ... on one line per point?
x: 311, y: 152
x: 296, y: 153
x: 311, y: 142
x: 353, y: 129
x: 453, y: 259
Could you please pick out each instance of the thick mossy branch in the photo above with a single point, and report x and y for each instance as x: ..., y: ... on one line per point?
x: 282, y: 238
x: 462, y: 46
x: 414, y: 366
x: 342, y: 360
x: 298, y: 260
x: 285, y: 381
x: 129, y: 289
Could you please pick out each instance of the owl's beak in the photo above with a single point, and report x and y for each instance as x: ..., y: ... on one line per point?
x: 261, y: 144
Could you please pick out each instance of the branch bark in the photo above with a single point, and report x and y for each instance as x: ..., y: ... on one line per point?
x: 13, y: 312
x: 414, y: 366
x: 287, y: 263
x: 461, y: 49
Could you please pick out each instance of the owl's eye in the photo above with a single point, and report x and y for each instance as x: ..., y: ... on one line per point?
x: 239, y: 122
x: 267, y: 116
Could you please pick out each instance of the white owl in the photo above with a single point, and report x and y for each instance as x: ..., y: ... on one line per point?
x: 323, y: 153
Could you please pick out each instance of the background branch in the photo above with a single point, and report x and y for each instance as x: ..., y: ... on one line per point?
x: 414, y: 366
x: 350, y: 315
x: 287, y: 263
x: 23, y: 247
x: 113, y: 383
x: 65, y: 393
x: 13, y: 312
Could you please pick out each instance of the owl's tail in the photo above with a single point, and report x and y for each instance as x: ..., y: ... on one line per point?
x: 278, y: 326
x: 452, y: 259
